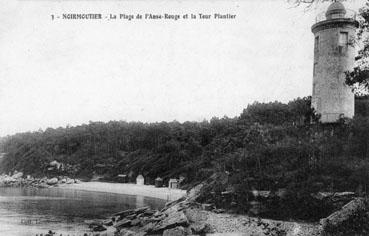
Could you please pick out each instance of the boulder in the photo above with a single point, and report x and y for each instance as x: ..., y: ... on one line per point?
x: 42, y: 185
x: 148, y: 227
x: 157, y: 214
x: 50, y: 233
x: 130, y: 217
x: 8, y: 180
x: 124, y: 213
x: 195, y: 192
x: 125, y: 232
x: 149, y: 212
x: 200, y: 228
x: 17, y: 175
x: 52, y: 181
x: 347, y: 212
x: 98, y: 228
x: 156, y: 218
x: 343, y: 196
x: 93, y: 223
x: 108, y: 222
x: 171, y: 221
x: 172, y: 203
x: 177, y: 231
x: 43, y: 180
x: 135, y: 222
x: 141, y: 209
x: 322, y: 195
x: 123, y: 223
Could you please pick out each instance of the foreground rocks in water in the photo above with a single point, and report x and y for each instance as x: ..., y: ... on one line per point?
x: 147, y: 221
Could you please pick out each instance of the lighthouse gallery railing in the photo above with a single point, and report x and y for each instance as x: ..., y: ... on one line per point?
x: 350, y: 14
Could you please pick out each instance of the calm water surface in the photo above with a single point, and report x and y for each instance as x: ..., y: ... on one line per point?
x: 31, y: 211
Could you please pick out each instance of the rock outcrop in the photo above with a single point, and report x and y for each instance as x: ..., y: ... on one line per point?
x: 351, y: 219
x: 186, y: 216
x: 173, y: 219
x: 52, y: 181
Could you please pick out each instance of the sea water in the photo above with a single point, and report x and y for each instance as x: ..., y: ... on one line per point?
x: 31, y: 211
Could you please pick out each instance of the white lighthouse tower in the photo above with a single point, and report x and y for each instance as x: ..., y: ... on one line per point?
x: 334, y: 54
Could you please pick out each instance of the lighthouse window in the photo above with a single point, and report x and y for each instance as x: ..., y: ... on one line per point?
x: 342, y: 42
x: 343, y: 39
x: 316, y: 46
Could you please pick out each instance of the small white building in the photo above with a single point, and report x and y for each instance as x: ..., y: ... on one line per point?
x: 140, y: 180
x: 173, y: 184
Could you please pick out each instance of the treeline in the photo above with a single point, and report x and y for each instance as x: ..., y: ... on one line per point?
x: 269, y: 146
x: 165, y: 149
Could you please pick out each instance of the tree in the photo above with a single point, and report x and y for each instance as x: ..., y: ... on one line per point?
x: 358, y: 78
x: 307, y: 2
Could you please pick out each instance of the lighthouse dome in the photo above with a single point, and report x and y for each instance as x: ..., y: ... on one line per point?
x: 335, y: 10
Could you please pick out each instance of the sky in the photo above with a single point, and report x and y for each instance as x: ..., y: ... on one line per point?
x: 68, y: 72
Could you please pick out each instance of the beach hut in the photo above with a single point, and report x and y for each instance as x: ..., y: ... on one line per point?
x: 158, y: 182
x: 173, y: 184
x: 140, y: 180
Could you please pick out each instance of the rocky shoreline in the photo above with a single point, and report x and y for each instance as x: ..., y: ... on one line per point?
x: 186, y: 216
x: 17, y: 180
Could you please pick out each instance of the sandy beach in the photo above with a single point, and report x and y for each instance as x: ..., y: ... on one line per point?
x: 131, y: 189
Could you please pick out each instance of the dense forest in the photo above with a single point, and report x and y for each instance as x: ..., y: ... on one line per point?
x: 166, y: 149
x: 268, y: 146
